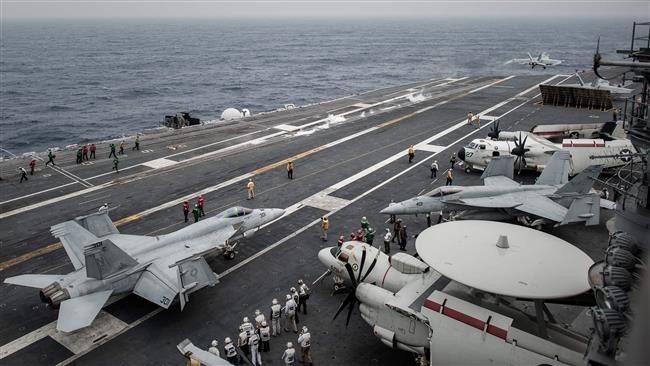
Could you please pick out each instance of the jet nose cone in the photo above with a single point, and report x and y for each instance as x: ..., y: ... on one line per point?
x: 461, y: 154
x: 325, y: 256
x: 393, y: 209
x: 276, y: 213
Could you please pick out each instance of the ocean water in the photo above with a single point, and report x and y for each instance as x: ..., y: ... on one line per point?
x: 79, y: 81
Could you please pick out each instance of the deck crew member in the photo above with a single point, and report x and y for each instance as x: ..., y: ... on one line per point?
x: 305, y: 346
x: 230, y: 351
x: 470, y: 117
x: 403, y: 238
x: 259, y: 319
x: 434, y: 169
x: 213, y: 348
x: 93, y: 149
x: 115, y: 164
x: 196, y: 212
x: 411, y: 154
x: 428, y: 216
x: 122, y: 143
x: 276, y: 312
x: 112, y: 153
x: 397, y: 226
x: 32, y: 166
x: 387, y: 240
x: 290, y: 314
x: 79, y: 156
x: 340, y: 241
x: 201, y: 202
x: 365, y: 224
x: 23, y: 174
x: 478, y: 121
x: 137, y: 143
x: 450, y: 177
x: 296, y: 299
x: 84, y: 152
x: 303, y: 296
x: 289, y: 355
x: 254, y: 345
x: 251, y: 189
x: 290, y: 170
x: 392, y: 218
x: 186, y: 209
x: 242, y: 344
x: 370, y: 236
x: 325, y: 226
x: 247, y: 326
x: 50, y: 157
x: 265, y: 336
x: 452, y: 161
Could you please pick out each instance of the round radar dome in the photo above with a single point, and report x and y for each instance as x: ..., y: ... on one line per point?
x: 231, y: 113
x: 505, y: 259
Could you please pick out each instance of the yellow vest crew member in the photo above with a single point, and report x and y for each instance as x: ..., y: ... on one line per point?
x: 290, y: 170
x: 450, y: 177
x: 325, y: 225
x: 411, y: 153
x: 251, y: 189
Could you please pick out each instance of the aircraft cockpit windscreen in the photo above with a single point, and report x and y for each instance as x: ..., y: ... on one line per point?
x: 444, y: 191
x: 343, y: 257
x: 235, y: 212
x: 472, y: 145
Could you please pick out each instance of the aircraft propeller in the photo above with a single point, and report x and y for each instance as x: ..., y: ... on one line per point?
x: 351, y: 299
x: 494, y: 131
x: 520, y: 151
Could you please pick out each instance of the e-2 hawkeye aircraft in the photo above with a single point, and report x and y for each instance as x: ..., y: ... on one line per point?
x: 445, y: 309
x: 552, y: 199
x: 532, y: 152
x: 156, y: 268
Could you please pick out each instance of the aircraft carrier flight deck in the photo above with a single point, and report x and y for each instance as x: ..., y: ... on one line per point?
x: 350, y: 161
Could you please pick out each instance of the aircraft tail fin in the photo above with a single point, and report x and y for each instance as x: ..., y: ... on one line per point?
x: 74, y: 238
x: 557, y: 170
x: 79, y: 312
x: 582, y: 183
x: 104, y: 259
x: 582, y: 82
x: 98, y: 223
x: 530, y: 56
x: 500, y: 166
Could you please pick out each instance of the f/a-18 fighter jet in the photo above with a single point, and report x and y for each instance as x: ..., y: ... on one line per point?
x: 156, y: 268
x: 542, y: 60
x: 552, y: 199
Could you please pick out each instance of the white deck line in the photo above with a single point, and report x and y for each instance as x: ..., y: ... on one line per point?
x: 38, y: 334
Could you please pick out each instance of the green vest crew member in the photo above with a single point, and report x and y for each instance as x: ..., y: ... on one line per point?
x: 137, y: 144
x: 50, y: 158
x: 112, y: 151
x: 115, y: 163
x: 196, y: 211
x: 79, y: 156
x: 365, y: 224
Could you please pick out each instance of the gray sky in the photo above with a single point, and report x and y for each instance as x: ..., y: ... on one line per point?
x: 25, y: 9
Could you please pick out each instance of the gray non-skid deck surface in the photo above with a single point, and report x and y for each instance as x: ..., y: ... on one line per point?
x: 216, y: 312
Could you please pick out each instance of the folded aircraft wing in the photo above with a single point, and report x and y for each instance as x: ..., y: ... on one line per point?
x: 499, y: 180
x: 193, y: 274
x: 189, y: 350
x: 157, y: 284
x: 533, y: 204
x: 543, y: 207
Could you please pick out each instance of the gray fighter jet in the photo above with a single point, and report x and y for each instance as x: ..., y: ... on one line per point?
x: 156, y: 268
x: 552, y: 199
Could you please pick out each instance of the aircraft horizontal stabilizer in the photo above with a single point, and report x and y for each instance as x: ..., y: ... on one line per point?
x: 79, y: 312
x: 32, y: 280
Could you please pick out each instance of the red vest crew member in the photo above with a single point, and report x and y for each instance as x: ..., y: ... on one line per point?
x: 200, y: 202
x: 93, y: 148
x: 186, y: 209
x: 32, y: 165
